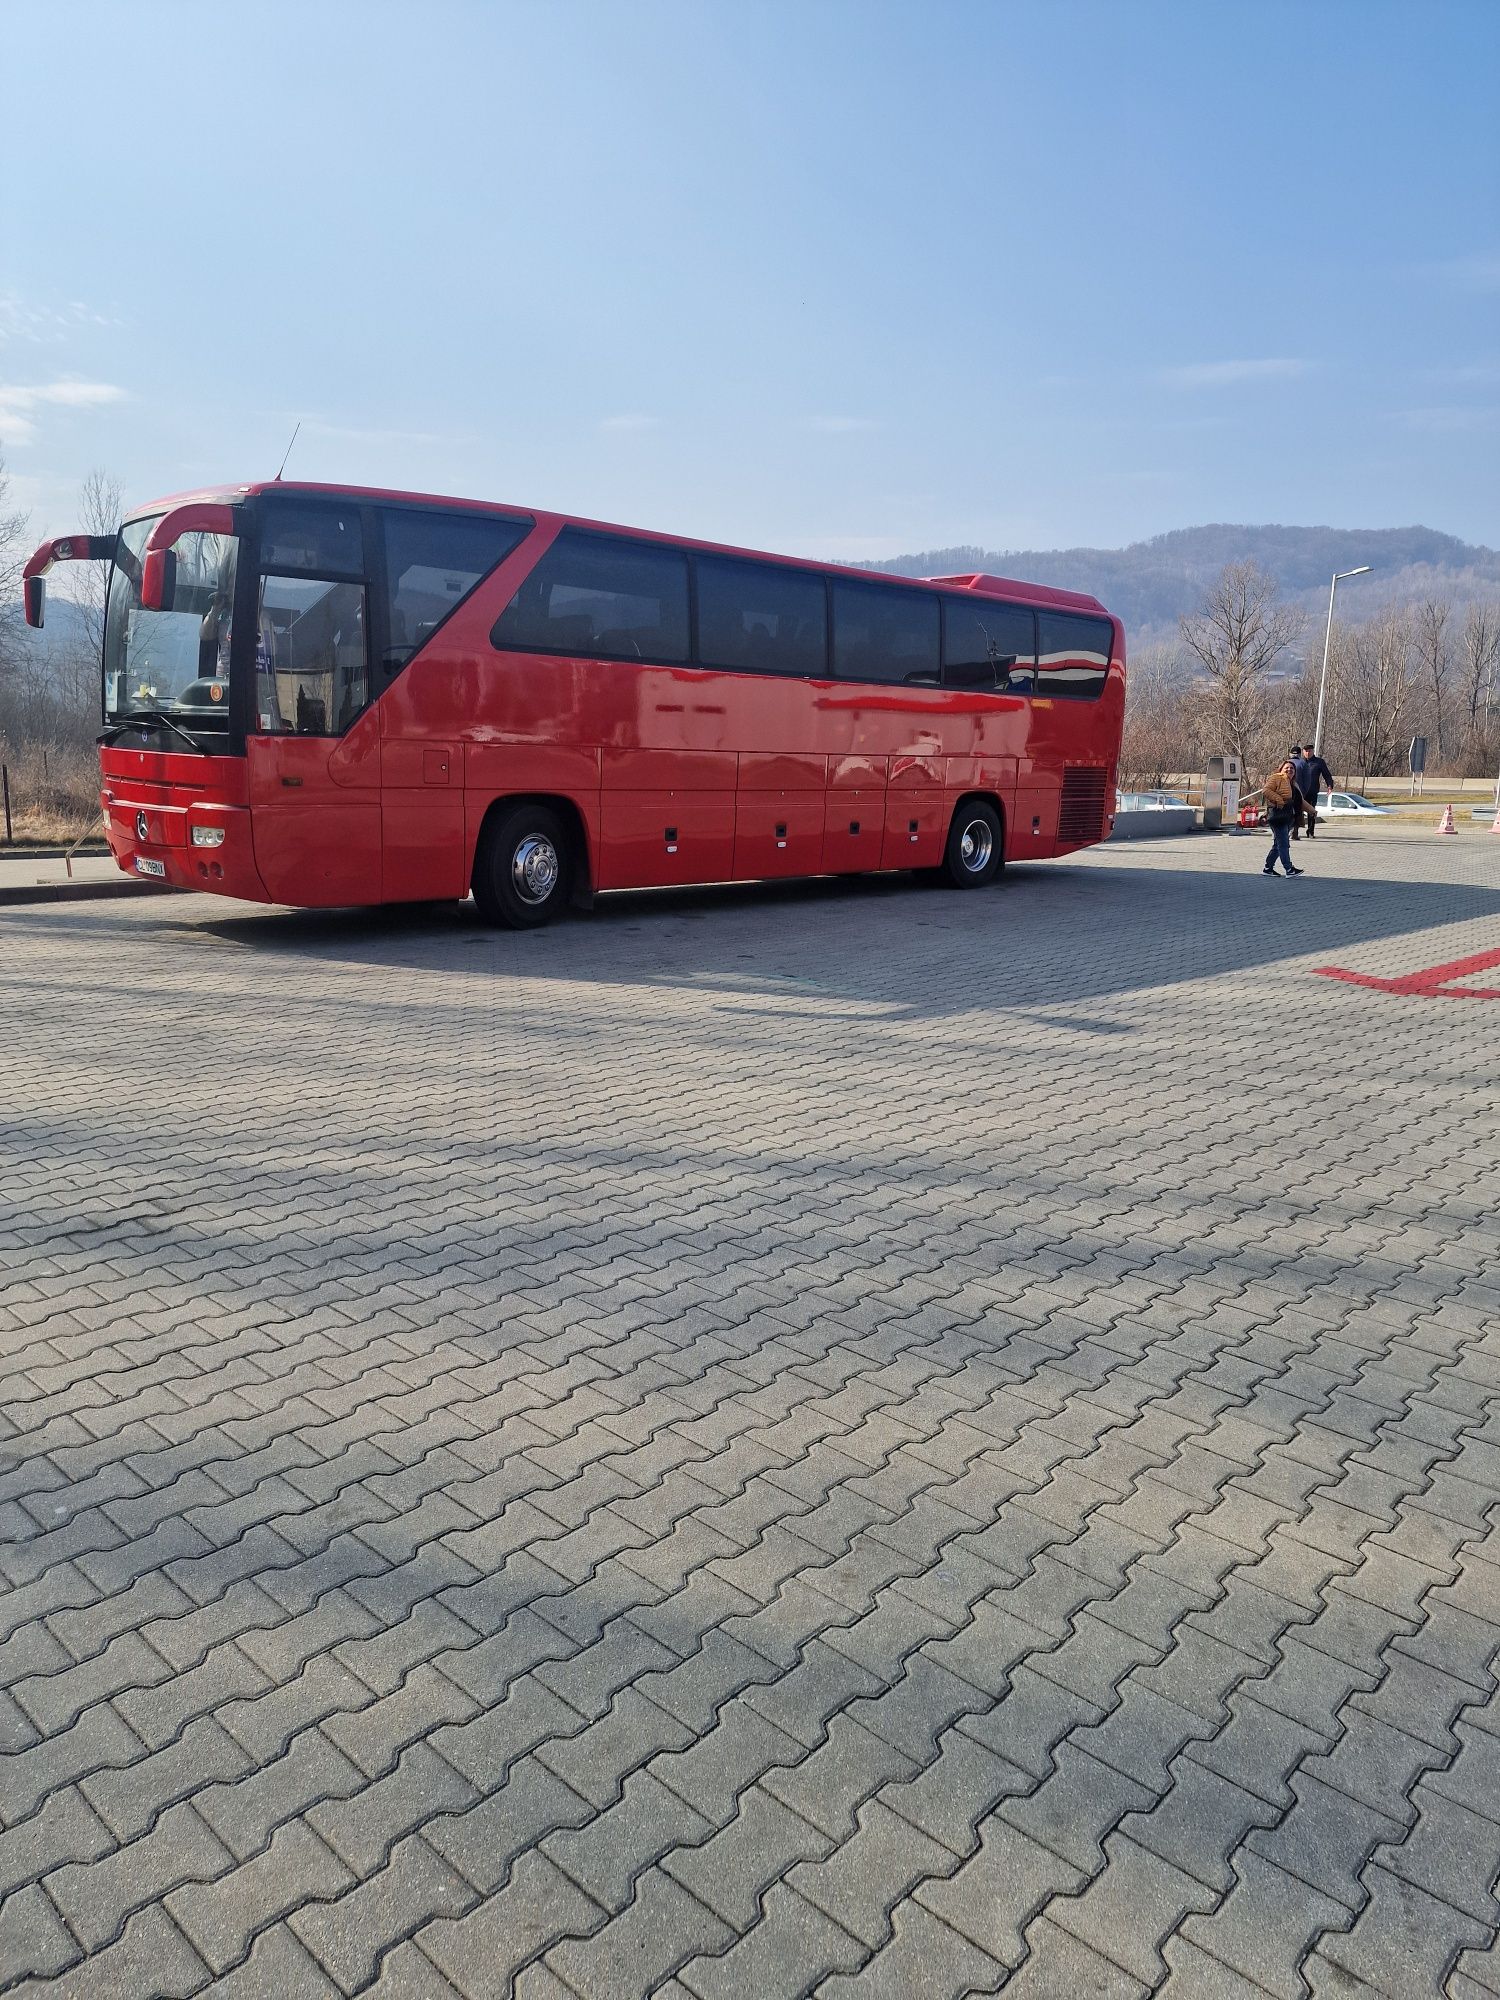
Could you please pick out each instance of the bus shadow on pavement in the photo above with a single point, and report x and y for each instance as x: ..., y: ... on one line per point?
x: 1048, y: 937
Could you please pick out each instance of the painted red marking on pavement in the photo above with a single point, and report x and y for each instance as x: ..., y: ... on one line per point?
x: 1434, y: 981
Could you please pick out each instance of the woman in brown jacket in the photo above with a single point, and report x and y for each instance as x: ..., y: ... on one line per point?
x: 1280, y: 794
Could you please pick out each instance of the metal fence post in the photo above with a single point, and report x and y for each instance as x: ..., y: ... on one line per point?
x: 10, y: 832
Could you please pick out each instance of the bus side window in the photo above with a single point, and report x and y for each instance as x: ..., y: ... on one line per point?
x: 432, y: 562
x: 883, y: 633
x: 757, y: 618
x: 601, y: 596
x: 312, y: 663
x: 980, y: 630
x: 1073, y: 657
x: 305, y: 535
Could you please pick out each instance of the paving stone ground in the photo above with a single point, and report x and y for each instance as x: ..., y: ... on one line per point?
x: 836, y: 1439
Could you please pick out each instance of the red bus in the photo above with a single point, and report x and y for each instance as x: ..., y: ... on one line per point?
x: 322, y: 696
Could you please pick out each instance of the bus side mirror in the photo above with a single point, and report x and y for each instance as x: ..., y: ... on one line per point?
x: 159, y: 580
x: 35, y: 591
x: 159, y: 564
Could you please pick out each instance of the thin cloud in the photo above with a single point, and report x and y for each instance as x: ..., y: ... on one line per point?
x: 1478, y: 272
x: 840, y: 426
x: 1449, y: 419
x: 359, y: 434
x: 1473, y: 374
x: 21, y: 320
x: 19, y: 403
x: 630, y: 421
x: 1229, y: 374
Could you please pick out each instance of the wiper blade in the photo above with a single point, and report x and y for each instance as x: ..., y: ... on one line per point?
x: 149, y: 718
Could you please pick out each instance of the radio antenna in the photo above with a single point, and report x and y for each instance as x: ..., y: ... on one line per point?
x: 288, y: 452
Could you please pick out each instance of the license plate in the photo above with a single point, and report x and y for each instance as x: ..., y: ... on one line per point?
x: 145, y: 867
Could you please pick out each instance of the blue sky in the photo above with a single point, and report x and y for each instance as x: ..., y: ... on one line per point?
x: 833, y: 278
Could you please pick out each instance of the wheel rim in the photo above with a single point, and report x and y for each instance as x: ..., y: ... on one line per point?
x: 975, y: 846
x: 534, y: 869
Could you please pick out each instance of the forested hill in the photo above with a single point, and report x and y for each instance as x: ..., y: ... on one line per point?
x: 1150, y: 584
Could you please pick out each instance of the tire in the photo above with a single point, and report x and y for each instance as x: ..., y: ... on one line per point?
x: 975, y: 851
x: 523, y: 871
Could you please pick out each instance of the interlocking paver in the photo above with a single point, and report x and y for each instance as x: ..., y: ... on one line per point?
x: 537, y: 1907
x: 1130, y: 1907
x: 790, y: 1951
x: 731, y: 1872
x: 715, y: 1449
x: 1402, y: 1944
x: 278, y: 1965
x: 96, y: 1896
x: 660, y: 1929
x: 34, y: 1941
x: 993, y: 1895
x: 220, y: 1918
x: 1266, y: 1925
x: 349, y: 1934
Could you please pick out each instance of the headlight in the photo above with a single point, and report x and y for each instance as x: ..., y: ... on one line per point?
x: 208, y: 836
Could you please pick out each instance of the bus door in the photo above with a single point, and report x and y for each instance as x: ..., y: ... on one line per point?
x: 423, y: 852
x: 313, y: 751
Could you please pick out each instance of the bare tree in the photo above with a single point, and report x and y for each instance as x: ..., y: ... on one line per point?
x: 1481, y: 657
x: 12, y: 546
x: 100, y: 504
x: 1238, y: 638
x: 1377, y: 676
x: 1435, y: 655
x: 1157, y: 743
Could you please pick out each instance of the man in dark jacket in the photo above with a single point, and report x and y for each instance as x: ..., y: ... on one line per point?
x: 1309, y: 771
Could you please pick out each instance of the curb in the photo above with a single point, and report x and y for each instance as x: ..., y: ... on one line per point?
x: 82, y: 892
x: 19, y: 851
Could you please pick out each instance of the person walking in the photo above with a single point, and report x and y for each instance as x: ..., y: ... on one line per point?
x: 1280, y: 794
x: 1309, y: 771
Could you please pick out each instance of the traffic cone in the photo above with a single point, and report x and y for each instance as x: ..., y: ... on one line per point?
x: 1445, y: 824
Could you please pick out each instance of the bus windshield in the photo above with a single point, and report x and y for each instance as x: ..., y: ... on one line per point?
x: 171, y: 663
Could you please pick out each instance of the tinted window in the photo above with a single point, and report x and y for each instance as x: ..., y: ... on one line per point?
x: 311, y: 666
x: 883, y: 635
x: 976, y: 630
x: 604, y: 598
x: 297, y: 536
x: 751, y: 615
x: 432, y: 562
x: 1074, y: 656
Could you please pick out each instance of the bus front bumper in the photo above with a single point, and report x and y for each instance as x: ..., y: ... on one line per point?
x: 202, y: 845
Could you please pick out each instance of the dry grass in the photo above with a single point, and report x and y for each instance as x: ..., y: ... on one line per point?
x: 54, y: 792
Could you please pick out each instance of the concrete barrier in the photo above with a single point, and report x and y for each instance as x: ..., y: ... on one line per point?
x: 1153, y: 825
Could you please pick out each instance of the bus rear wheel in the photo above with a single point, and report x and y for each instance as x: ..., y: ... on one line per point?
x: 524, y: 867
x: 975, y: 851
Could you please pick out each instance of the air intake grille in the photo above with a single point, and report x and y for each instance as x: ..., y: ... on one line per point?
x: 1081, y: 813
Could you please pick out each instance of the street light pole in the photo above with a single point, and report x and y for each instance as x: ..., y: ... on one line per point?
x: 1339, y: 575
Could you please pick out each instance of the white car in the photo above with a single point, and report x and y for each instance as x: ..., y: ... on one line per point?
x: 1350, y: 805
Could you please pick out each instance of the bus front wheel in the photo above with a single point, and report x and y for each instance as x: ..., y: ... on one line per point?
x: 975, y: 851
x: 523, y: 870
